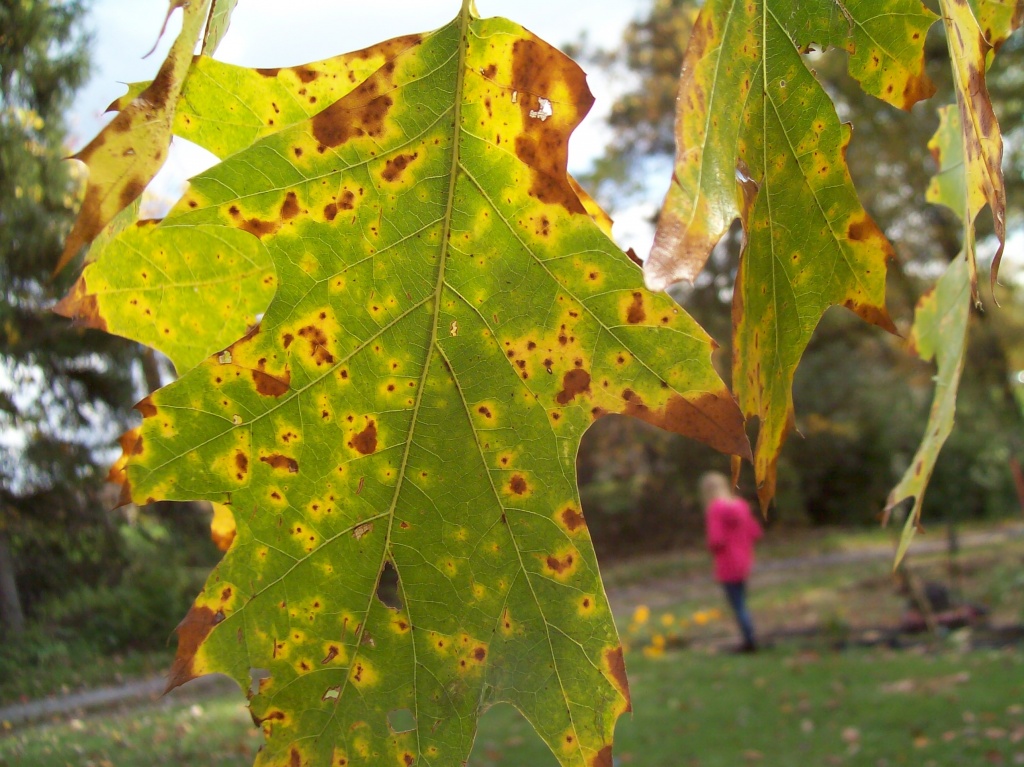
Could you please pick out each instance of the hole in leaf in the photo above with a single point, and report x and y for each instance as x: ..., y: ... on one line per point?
x: 257, y: 675
x: 401, y: 720
x: 387, y: 587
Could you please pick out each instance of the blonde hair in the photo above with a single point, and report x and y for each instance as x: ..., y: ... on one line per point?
x: 714, y: 485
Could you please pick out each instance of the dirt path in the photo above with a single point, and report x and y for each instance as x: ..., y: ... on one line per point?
x: 664, y: 591
x: 655, y: 593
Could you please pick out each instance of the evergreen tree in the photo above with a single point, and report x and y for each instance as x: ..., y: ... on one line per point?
x: 62, y: 388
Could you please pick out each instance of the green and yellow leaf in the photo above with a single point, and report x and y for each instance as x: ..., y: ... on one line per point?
x: 448, y: 320
x: 217, y: 26
x: 940, y: 333
x: 185, y: 296
x: 758, y: 138
x: 972, y: 40
x: 128, y: 152
x: 968, y: 150
x: 225, y: 108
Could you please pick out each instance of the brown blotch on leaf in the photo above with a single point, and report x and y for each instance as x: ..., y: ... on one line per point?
x: 318, y: 344
x: 296, y: 761
x: 278, y: 461
x: 365, y: 441
x: 269, y: 71
x: 394, y: 167
x: 131, y: 191
x: 543, y: 145
x: 709, y: 417
x: 258, y: 227
x: 82, y: 307
x: 484, y: 411
x: 636, y: 312
x: 271, y: 386
x: 192, y: 632
x: 918, y: 88
x: 146, y: 407
x: 518, y: 484
x: 862, y: 229
x: 576, y: 381
x: 330, y: 211
x: 602, y: 758
x: 572, y: 519
x: 479, y: 653
x: 306, y: 74
x: 559, y: 565
x: 242, y: 463
x: 617, y: 668
x: 355, y: 114
x: 290, y: 206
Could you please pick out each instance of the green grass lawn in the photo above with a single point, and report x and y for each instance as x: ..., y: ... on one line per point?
x: 780, y: 708
x: 799, y: 703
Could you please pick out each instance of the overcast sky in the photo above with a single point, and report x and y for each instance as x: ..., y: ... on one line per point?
x: 270, y: 33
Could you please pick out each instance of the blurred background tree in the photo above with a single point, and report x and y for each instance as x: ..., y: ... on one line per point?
x: 861, y: 399
x: 65, y: 391
x: 62, y: 390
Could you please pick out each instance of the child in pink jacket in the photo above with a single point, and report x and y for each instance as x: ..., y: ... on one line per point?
x: 731, y: 531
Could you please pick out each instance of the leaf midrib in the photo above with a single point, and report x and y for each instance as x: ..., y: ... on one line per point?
x: 464, y: 18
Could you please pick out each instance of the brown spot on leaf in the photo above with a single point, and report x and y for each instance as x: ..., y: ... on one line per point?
x: 146, y: 407
x: 543, y: 145
x: 318, y: 344
x: 269, y: 71
x: 394, y: 167
x: 602, y: 758
x: 572, y: 519
x: 518, y: 484
x: 636, y: 312
x: 355, y: 114
x: 306, y: 74
x: 290, y: 206
x: 278, y: 461
x: 366, y: 441
x: 576, y: 381
x: 132, y: 189
x: 82, y: 307
x: 560, y: 566
x: 330, y: 211
x: 617, y: 668
x: 271, y: 386
x: 192, y: 632
x: 479, y: 653
x: 484, y: 411
x: 918, y: 88
x: 709, y: 417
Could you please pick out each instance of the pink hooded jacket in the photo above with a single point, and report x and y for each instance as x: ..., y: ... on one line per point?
x: 732, y: 530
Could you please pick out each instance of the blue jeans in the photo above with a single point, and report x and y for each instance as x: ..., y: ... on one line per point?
x: 736, y: 593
